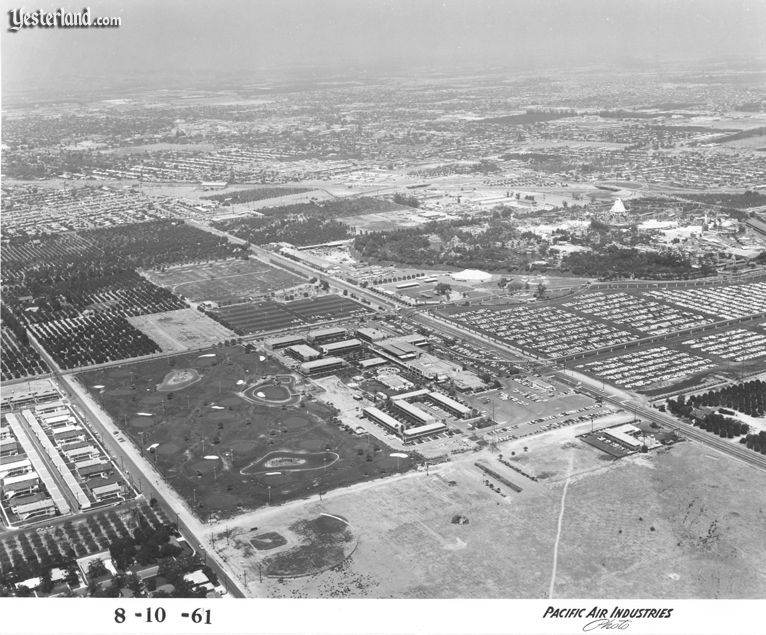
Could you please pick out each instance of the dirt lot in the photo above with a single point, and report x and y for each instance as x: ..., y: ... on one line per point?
x: 182, y: 330
x: 685, y: 523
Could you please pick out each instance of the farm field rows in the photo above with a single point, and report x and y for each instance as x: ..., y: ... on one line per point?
x: 224, y: 282
x: 74, y: 291
x: 270, y: 316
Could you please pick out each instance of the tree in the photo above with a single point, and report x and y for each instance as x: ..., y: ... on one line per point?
x: 72, y: 575
x: 96, y: 569
x: 442, y: 289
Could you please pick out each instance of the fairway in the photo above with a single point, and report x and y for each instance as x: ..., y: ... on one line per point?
x: 225, y: 453
x: 226, y: 281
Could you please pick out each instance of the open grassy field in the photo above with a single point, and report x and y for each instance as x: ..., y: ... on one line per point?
x: 683, y: 523
x: 181, y: 330
x: 224, y: 453
x: 225, y: 281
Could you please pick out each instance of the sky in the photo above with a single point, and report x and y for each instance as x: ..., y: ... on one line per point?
x: 189, y: 40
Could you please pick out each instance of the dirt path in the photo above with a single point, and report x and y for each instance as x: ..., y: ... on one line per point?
x: 558, y: 531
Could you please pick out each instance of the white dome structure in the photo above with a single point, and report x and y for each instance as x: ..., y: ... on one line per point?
x: 471, y: 275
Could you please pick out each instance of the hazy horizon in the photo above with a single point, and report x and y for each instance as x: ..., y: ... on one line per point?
x: 185, y: 42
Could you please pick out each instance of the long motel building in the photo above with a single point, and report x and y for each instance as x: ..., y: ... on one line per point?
x: 33, y: 506
x: 8, y: 447
x: 319, y: 366
x: 15, y: 465
x: 20, y: 485
x: 400, y: 429
x: 342, y: 347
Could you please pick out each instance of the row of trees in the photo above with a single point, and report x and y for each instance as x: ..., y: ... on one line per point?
x: 748, y: 398
x: 756, y: 442
x: 725, y: 427
x: 294, y: 230
x: 711, y: 421
x: 617, y: 262
x: 256, y: 194
x: 93, y: 339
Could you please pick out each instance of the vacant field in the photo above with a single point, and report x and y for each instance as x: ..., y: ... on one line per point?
x: 223, y: 453
x: 181, y: 330
x: 226, y: 281
x: 270, y: 316
x: 682, y: 523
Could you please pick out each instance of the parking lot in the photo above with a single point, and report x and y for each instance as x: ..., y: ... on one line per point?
x: 727, y: 302
x: 529, y: 405
x: 651, y: 368
x: 739, y: 345
x: 543, y: 329
x: 639, y: 313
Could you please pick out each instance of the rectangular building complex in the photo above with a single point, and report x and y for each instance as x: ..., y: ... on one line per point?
x: 321, y: 365
x: 412, y: 411
x: 449, y: 404
x: 383, y: 418
x: 339, y: 348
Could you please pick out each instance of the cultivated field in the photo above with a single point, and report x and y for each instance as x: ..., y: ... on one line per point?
x: 224, y: 453
x: 675, y: 523
x: 271, y: 316
x: 181, y: 330
x: 225, y: 281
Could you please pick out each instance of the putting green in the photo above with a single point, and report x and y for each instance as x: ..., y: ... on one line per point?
x: 179, y: 379
x: 286, y: 461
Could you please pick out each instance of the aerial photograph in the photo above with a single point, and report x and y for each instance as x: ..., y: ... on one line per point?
x: 380, y: 299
